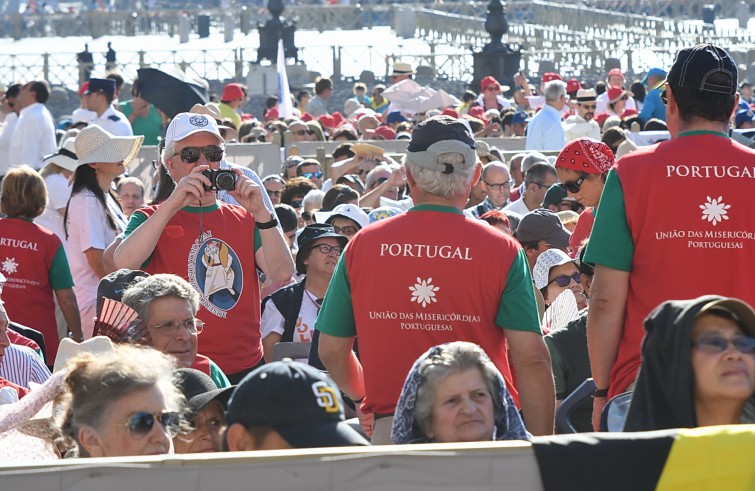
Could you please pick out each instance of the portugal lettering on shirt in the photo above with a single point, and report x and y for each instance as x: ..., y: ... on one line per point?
x: 689, y: 208
x: 414, y: 284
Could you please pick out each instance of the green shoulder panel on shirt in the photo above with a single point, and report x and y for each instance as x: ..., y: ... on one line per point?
x: 60, y: 271
x: 336, y: 316
x: 517, y: 309
x: 257, y: 239
x: 217, y: 376
x: 611, y: 240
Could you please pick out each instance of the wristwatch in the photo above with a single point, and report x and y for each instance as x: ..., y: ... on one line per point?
x: 266, y: 225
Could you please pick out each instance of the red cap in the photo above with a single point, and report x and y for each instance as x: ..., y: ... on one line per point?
x: 489, y: 81
x: 247, y: 117
x: 326, y: 121
x: 450, y: 112
x: 551, y: 76
x: 572, y: 85
x: 83, y: 88
x: 586, y: 155
x: 272, y: 114
x: 337, y: 118
x: 628, y: 113
x: 615, y: 93
x: 477, y: 112
x: 307, y: 117
x: 385, y: 132
x: 615, y: 71
x: 601, y: 118
x: 231, y: 92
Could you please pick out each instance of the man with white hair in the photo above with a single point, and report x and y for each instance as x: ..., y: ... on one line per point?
x: 416, y: 260
x: 215, y: 246
x: 545, y: 131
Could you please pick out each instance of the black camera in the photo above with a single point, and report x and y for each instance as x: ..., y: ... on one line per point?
x: 220, y: 180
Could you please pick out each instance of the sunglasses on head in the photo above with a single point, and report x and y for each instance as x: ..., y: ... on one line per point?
x: 719, y: 344
x: 190, y: 155
x: 564, y: 280
x: 573, y: 187
x: 141, y: 423
x: 312, y: 175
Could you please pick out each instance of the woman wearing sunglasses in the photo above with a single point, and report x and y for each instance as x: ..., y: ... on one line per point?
x: 555, y: 272
x: 582, y: 167
x: 698, y: 366
x: 123, y: 403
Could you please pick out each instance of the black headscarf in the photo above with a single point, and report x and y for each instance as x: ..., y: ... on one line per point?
x: 664, y: 396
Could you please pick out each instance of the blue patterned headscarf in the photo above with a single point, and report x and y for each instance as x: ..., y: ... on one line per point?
x: 508, y: 422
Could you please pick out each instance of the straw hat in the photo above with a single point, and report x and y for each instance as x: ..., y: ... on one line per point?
x: 93, y: 144
x: 65, y: 157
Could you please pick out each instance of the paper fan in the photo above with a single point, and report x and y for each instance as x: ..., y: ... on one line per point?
x: 562, y: 311
x: 120, y: 323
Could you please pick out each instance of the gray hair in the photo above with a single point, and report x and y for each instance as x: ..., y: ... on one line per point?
x: 532, y: 158
x: 452, y: 358
x: 439, y: 184
x: 554, y: 90
x: 496, y: 164
x: 95, y: 384
x: 140, y: 295
x: 314, y: 197
x: 273, y: 178
x: 371, y: 178
x: 130, y: 180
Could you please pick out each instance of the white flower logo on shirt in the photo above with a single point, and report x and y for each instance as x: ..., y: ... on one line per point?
x: 10, y: 265
x: 424, y: 292
x: 714, y: 210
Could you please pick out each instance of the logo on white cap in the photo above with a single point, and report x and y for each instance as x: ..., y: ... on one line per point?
x: 198, y: 120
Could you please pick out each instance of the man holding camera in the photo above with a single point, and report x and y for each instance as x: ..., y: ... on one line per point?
x: 215, y: 246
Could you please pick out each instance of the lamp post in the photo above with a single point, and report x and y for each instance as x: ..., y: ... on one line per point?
x: 275, y: 29
x: 496, y: 58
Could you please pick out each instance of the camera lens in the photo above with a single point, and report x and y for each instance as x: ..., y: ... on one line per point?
x: 226, y: 181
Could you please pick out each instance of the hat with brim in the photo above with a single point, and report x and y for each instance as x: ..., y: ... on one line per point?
x: 324, y: 434
x: 402, y: 69
x: 200, y: 390
x: 68, y: 349
x: 545, y: 262
x: 345, y: 210
x: 94, y: 144
x: 542, y: 224
x: 211, y: 109
x: 308, y: 236
x: 740, y: 310
x: 615, y: 94
x: 654, y: 72
x: 65, y: 157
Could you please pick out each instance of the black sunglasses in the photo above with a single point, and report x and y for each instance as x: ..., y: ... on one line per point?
x: 141, y: 423
x: 190, y: 155
x: 564, y: 280
x: 573, y: 187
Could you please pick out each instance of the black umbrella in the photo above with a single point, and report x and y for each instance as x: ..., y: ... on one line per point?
x: 171, y: 92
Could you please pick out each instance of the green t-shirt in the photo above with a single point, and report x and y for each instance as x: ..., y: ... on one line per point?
x: 60, y: 272
x: 217, y: 376
x: 150, y: 126
x: 611, y: 240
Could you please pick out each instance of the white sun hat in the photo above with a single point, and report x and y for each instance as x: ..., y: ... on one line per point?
x: 545, y: 261
x: 65, y: 157
x: 68, y: 349
x: 94, y: 144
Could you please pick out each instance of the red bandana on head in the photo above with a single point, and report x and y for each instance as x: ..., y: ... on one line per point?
x: 586, y: 155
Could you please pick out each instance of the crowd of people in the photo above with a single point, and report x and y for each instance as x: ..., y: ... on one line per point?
x: 449, y: 294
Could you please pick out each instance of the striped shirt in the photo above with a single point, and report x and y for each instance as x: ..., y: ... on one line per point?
x: 22, y: 365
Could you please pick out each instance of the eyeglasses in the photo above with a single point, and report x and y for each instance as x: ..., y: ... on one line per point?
x: 540, y: 185
x: 564, y: 280
x: 141, y: 423
x: 274, y: 193
x: 589, y: 106
x: 190, y: 155
x: 624, y: 98
x: 296, y: 203
x: 347, y: 230
x: 492, y: 88
x: 307, y: 216
x: 327, y: 248
x: 497, y: 186
x: 312, y: 175
x: 300, y: 132
x: 380, y: 181
x: 169, y: 329
x: 573, y: 187
x: 719, y: 344
x: 664, y: 97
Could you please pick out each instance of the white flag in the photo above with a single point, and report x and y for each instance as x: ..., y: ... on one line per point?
x: 285, y: 109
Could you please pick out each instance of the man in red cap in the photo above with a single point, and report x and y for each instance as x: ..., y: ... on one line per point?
x: 234, y: 96
x: 615, y: 79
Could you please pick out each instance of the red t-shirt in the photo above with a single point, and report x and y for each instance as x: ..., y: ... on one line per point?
x: 21, y: 340
x: 220, y: 265
x: 582, y: 230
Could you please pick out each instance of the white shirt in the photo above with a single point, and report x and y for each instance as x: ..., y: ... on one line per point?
x: 517, y: 206
x: 6, y: 137
x: 33, y: 137
x: 88, y: 228
x: 22, y: 365
x: 602, y: 103
x: 576, y: 127
x: 58, y: 192
x: 114, y: 122
x: 544, y: 131
x: 272, y: 320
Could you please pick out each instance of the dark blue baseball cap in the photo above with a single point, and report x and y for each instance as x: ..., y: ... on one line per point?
x: 395, y: 117
x: 520, y: 117
x: 105, y: 85
x: 694, y: 66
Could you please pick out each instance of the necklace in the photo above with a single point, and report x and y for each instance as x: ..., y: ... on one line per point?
x: 316, y: 301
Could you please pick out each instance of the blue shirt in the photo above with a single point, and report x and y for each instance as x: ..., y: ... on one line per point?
x: 545, y: 131
x: 653, y: 107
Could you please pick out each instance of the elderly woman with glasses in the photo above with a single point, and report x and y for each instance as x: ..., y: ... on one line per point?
x: 167, y: 306
x: 698, y: 366
x: 582, y: 167
x: 122, y: 403
x: 454, y: 393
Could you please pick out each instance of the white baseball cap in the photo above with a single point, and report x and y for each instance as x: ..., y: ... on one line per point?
x: 345, y: 210
x: 183, y: 125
